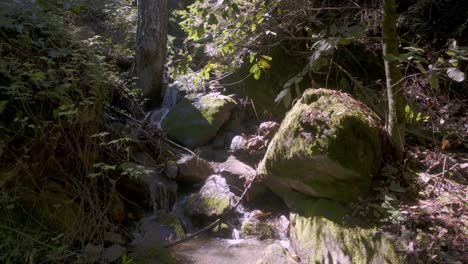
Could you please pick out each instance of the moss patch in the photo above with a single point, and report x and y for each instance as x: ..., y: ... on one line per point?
x: 173, y: 221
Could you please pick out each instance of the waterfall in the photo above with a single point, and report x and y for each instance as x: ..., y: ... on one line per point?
x: 156, y: 117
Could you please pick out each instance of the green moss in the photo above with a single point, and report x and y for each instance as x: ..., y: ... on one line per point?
x: 317, y: 239
x: 173, y: 221
x: 327, y: 146
x: 214, y: 204
x: 257, y: 229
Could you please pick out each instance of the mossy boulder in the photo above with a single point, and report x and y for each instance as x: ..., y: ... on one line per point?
x: 329, y: 145
x: 213, y: 199
x: 195, y: 122
x: 319, y: 240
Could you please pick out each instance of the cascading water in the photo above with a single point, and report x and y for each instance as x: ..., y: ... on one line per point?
x: 155, y: 117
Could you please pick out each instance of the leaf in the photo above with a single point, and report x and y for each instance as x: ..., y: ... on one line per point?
x: 253, y: 27
x: 455, y: 74
x: 420, y: 67
x: 212, y: 20
x: 200, y: 31
x: 434, y: 81
x: 266, y: 57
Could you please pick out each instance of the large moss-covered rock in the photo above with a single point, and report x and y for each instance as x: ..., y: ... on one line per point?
x: 319, y: 240
x: 195, y: 122
x: 329, y: 145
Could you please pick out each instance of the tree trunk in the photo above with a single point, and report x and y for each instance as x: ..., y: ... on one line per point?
x: 153, y: 22
x: 395, y: 123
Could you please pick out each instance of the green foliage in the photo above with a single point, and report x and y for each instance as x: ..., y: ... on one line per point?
x: 224, y: 32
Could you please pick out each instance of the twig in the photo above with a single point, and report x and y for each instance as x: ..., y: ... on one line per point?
x: 217, y: 221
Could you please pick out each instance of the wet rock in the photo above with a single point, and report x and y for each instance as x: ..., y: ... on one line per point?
x: 276, y: 254
x: 172, y: 220
x: 113, y: 253
x: 193, y: 169
x: 268, y: 129
x: 171, y: 169
x: 145, y: 186
x: 92, y: 253
x: 213, y: 199
x: 236, y: 173
x: 329, y: 145
x: 319, y: 240
x: 253, y: 227
x: 195, y: 122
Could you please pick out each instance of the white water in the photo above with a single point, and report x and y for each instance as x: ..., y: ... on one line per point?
x: 156, y: 117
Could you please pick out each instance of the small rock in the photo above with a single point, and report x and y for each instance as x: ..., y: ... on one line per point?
x: 193, y: 169
x: 236, y: 173
x: 238, y: 143
x: 171, y: 169
x: 256, y: 143
x: 113, y: 253
x: 92, y: 253
x: 268, y: 129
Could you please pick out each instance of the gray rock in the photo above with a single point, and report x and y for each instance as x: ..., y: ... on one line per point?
x: 171, y: 169
x: 193, y: 169
x: 238, y: 143
x: 213, y: 199
x: 113, y: 253
x: 236, y: 173
x: 142, y: 182
x: 195, y: 122
x: 268, y: 129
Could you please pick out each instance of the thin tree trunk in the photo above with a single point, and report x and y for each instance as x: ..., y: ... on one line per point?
x: 153, y: 22
x: 395, y: 124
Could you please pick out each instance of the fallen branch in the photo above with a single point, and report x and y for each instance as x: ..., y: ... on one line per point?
x: 217, y: 221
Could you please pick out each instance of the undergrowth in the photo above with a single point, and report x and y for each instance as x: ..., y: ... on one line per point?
x: 56, y: 93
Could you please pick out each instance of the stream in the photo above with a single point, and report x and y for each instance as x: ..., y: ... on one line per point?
x: 246, y: 234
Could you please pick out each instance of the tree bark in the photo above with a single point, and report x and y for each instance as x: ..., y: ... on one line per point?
x: 152, y: 29
x: 395, y: 123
